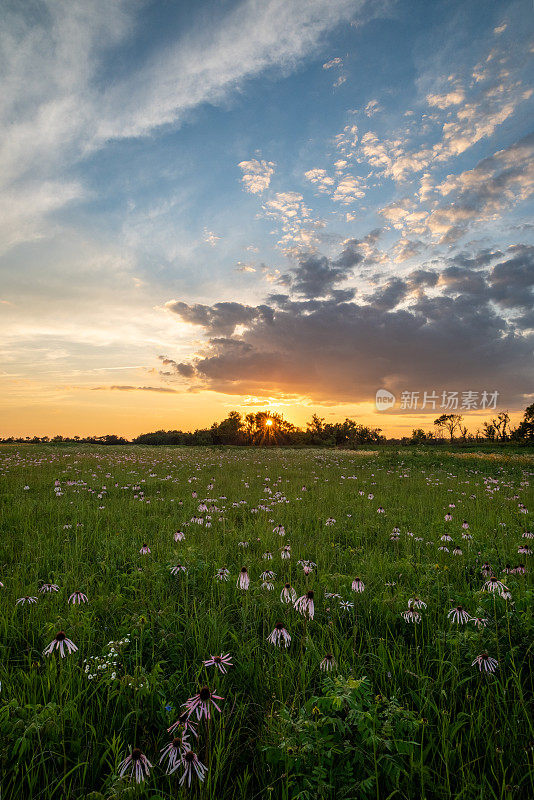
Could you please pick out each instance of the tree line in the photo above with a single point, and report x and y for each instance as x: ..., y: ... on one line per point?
x: 266, y: 428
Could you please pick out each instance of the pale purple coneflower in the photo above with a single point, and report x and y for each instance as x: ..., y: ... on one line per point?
x: 221, y: 662
x: 485, y: 662
x: 137, y: 764
x: 380, y: 510
x: 480, y: 622
x: 222, y: 574
x: 243, y: 582
x: 328, y: 663
x: 179, y: 536
x: 177, y: 568
x: 358, y: 585
x: 184, y: 725
x: 304, y: 605
x: 26, y: 599
x: 448, y: 517
x: 410, y: 615
x: 458, y: 615
x: 486, y: 570
x: 524, y: 550
x: 346, y: 605
x: 267, y: 556
x: 60, y: 642
x: 268, y: 586
x: 288, y: 594
x: 49, y: 587
x: 78, y: 598
x: 280, y: 637
x: 457, y: 551
x: 145, y: 550
x: 494, y: 585
x: 527, y: 535
x: 415, y: 602
x: 280, y: 530
x: 446, y: 538
x: 520, y: 569
x: 201, y: 703
x: 173, y: 753
x: 286, y: 551
x: 465, y: 525
x: 190, y: 763
x: 307, y: 566
x: 268, y: 575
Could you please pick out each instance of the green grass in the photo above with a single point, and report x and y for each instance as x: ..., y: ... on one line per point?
x: 64, y: 735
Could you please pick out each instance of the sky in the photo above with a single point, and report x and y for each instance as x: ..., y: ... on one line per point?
x: 264, y: 204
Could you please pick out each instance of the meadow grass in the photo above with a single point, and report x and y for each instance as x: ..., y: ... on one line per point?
x: 78, y: 517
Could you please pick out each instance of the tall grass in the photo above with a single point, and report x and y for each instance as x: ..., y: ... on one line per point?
x: 63, y: 733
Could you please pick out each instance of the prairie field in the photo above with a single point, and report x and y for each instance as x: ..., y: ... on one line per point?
x: 373, y: 610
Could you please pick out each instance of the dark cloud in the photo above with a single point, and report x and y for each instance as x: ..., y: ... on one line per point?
x: 220, y: 318
x: 428, y: 330
x: 125, y: 388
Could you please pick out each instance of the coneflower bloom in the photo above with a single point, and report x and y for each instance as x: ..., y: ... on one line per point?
x: 49, y: 587
x: 267, y: 556
x: 485, y: 570
x: 78, y: 597
x: 358, y: 585
x: 145, y: 550
x: 458, y: 615
x: 304, y: 605
x: 26, y: 599
x: 465, y: 525
x: 520, y: 569
x: 524, y: 550
x: 288, y: 594
x: 448, y: 517
x: 60, y: 642
x: 200, y: 704
x: 173, y: 753
x: 190, y: 762
x: 485, y: 662
x: 286, y: 551
x: 415, y: 602
x: 527, y: 535
x: 268, y: 575
x: 328, y: 663
x: 177, y: 569
x: 179, y: 536
x: 137, y: 764
x: 243, y: 582
x: 268, y: 586
x: 222, y: 574
x: 280, y: 637
x: 380, y: 510
x: 307, y: 566
x: 494, y: 585
x: 184, y: 725
x: 480, y: 622
x: 221, y: 662
x: 410, y: 615
x: 457, y: 551
x: 446, y: 538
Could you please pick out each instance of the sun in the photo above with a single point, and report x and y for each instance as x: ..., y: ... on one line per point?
x: 268, y: 422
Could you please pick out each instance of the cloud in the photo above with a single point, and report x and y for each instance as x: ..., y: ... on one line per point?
x: 57, y: 108
x: 256, y: 175
x: 339, y: 81
x: 164, y: 389
x: 210, y: 238
x: 441, y: 101
x: 372, y: 108
x: 431, y: 330
x: 335, y: 62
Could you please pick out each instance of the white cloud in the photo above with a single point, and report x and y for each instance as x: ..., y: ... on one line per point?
x: 441, y: 101
x: 210, y: 238
x: 335, y: 62
x: 256, y: 175
x: 372, y: 108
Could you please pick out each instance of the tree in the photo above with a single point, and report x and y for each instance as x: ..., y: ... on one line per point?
x: 450, y: 422
x: 525, y: 430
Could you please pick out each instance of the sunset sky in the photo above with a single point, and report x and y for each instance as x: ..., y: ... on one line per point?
x: 283, y: 204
